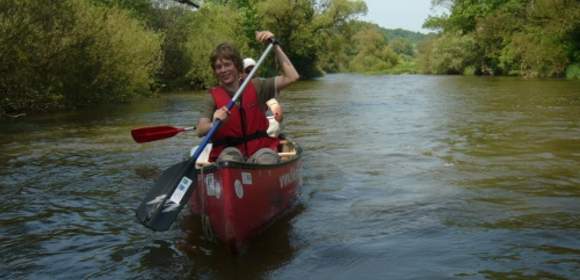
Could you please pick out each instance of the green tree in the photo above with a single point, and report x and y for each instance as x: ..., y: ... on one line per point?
x: 175, y: 23
x: 532, y: 55
x: 70, y: 54
x: 334, y: 27
x: 290, y: 21
x: 402, y: 47
x: 424, y: 55
x: 452, y: 54
x: 210, y: 26
x: 141, y: 9
x: 464, y: 14
x: 373, y: 52
x: 532, y: 38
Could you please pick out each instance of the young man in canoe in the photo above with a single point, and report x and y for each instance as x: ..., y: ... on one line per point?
x: 276, y: 116
x: 243, y: 131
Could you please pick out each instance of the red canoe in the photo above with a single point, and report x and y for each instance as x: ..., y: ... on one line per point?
x: 237, y: 200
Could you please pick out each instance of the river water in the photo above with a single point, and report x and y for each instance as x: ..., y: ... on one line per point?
x: 405, y: 177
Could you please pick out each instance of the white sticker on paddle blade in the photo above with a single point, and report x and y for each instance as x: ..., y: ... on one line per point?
x: 181, y: 189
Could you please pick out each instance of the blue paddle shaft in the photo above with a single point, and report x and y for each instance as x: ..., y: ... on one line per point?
x: 217, y: 123
x: 172, y: 191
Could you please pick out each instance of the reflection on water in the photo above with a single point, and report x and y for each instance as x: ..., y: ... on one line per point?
x: 417, y: 177
x: 267, y: 252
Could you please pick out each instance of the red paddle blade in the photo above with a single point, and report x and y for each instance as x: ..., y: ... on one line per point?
x: 148, y: 134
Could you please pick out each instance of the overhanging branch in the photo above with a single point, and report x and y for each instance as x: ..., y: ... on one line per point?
x: 188, y: 2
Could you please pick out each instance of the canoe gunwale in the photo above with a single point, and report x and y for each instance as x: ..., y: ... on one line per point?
x: 246, y: 165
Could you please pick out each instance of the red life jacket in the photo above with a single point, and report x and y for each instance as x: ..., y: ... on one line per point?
x: 244, y: 129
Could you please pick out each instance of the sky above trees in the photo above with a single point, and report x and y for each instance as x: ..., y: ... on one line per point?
x: 392, y: 14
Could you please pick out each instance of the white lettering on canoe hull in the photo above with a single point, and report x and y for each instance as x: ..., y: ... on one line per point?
x: 246, y: 178
x: 239, y: 189
x: 288, y: 178
x: 212, y: 186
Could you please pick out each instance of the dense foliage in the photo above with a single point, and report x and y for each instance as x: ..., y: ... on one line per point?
x: 71, y: 53
x: 373, y: 49
x: 76, y: 53
x: 531, y: 38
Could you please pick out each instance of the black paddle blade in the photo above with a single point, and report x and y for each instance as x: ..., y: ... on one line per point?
x: 170, y: 193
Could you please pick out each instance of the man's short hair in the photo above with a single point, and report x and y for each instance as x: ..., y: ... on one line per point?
x: 226, y: 51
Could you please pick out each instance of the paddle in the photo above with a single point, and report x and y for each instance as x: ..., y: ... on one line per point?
x: 172, y: 190
x: 152, y: 133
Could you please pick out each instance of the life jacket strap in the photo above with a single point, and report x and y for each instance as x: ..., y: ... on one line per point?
x: 234, y: 141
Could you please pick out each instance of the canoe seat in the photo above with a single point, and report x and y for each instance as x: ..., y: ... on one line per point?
x: 286, y: 150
